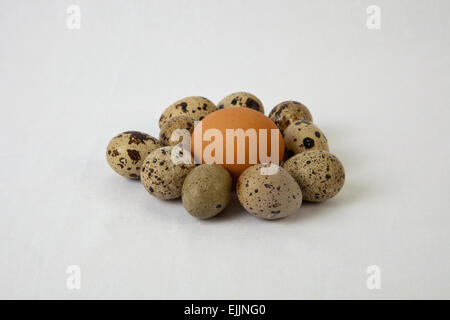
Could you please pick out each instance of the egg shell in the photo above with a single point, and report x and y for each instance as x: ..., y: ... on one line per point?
x: 268, y: 196
x: 194, y: 107
x: 284, y: 113
x: 236, y: 118
x: 241, y: 99
x: 180, y: 122
x: 162, y: 177
x: 301, y: 136
x: 320, y: 174
x: 206, y: 191
x: 126, y: 152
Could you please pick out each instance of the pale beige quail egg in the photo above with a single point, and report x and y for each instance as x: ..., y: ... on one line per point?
x: 194, y: 107
x: 180, y: 122
x: 126, y: 152
x: 302, y: 136
x: 319, y: 173
x: 163, y: 174
x: 241, y: 99
x: 268, y: 196
x: 284, y: 113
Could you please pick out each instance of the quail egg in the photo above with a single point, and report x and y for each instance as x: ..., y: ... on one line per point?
x: 241, y: 99
x: 301, y: 136
x: 195, y: 107
x: 163, y: 175
x: 284, y: 113
x: 319, y: 173
x: 180, y: 122
x: 268, y: 196
x: 126, y: 152
x: 206, y: 191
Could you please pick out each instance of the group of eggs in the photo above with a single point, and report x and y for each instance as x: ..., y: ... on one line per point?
x: 305, y: 171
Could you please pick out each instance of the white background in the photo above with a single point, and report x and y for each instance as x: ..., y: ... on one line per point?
x: 381, y: 97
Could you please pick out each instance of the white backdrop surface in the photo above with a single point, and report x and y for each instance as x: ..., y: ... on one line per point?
x: 381, y: 97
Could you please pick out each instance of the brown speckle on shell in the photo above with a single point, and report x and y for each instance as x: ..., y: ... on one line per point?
x: 320, y: 174
x: 164, y: 176
x: 265, y: 200
x: 126, y: 152
x: 287, y: 112
x: 302, y: 136
x: 169, y: 127
x: 188, y: 106
x: 241, y: 99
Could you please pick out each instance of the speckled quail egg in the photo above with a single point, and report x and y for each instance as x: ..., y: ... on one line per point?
x: 319, y: 173
x: 301, y: 136
x: 180, y: 122
x: 195, y: 107
x: 241, y: 99
x: 126, y: 152
x: 206, y: 191
x: 163, y: 177
x: 268, y: 196
x: 284, y: 113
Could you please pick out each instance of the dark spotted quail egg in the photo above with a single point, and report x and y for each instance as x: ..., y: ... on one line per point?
x: 319, y: 173
x: 206, y: 191
x: 194, y: 107
x: 126, y: 152
x: 301, y: 136
x: 268, y: 196
x: 163, y: 174
x: 241, y: 99
x: 180, y: 122
x: 284, y: 113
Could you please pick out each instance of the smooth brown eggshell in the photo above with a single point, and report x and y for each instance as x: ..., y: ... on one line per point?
x: 126, y: 152
x: 235, y: 119
x: 268, y: 196
x: 163, y: 178
x: 320, y: 174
